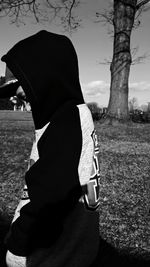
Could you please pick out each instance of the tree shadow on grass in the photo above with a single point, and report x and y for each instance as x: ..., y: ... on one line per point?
x: 4, y: 226
x: 110, y: 256
x: 107, y: 256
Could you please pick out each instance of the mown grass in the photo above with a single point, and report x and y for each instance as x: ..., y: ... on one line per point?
x: 15, y: 143
x: 125, y: 183
x: 125, y: 187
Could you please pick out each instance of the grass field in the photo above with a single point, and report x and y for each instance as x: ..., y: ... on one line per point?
x: 125, y: 187
x: 125, y: 183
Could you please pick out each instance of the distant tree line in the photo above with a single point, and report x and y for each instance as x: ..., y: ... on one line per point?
x: 97, y: 112
x: 136, y: 113
x: 139, y: 113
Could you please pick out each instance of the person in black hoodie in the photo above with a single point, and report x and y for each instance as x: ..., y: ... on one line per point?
x: 57, y: 222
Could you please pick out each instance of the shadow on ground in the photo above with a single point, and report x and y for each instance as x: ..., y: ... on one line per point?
x: 4, y: 226
x: 108, y: 255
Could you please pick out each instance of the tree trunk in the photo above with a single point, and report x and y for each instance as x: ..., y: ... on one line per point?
x: 124, y: 15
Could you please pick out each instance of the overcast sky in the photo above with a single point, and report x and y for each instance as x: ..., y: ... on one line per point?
x: 93, y: 45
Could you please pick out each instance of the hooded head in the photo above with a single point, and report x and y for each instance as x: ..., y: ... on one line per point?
x: 46, y: 66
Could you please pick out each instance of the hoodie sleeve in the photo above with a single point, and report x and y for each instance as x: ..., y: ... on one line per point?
x: 8, y: 90
x: 53, y: 186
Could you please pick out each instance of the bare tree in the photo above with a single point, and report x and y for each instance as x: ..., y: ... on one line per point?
x: 124, y: 17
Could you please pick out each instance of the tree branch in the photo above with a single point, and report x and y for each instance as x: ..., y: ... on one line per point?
x: 69, y: 20
x: 140, y: 59
x: 70, y: 12
x: 63, y: 10
x: 141, y: 4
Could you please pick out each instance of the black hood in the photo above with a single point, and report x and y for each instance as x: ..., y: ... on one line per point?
x: 46, y: 66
